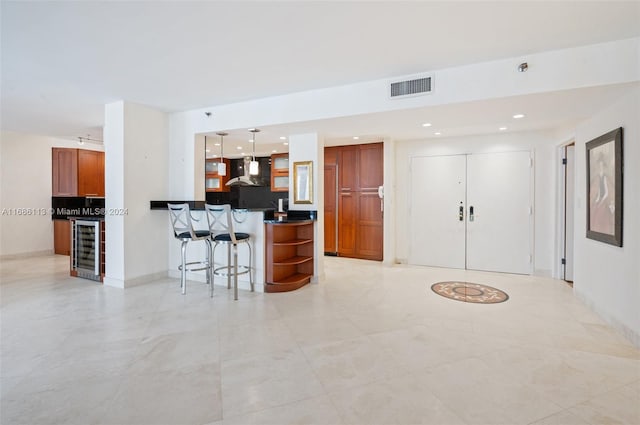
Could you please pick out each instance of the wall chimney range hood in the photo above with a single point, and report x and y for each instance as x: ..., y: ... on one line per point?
x: 246, y: 179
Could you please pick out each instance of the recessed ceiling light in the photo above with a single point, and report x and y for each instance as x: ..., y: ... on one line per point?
x: 216, y: 144
x: 207, y: 150
x: 239, y: 148
x: 517, y: 116
x: 437, y: 133
x: 285, y: 143
x: 215, y: 156
x: 283, y: 138
x: 502, y: 128
x: 242, y: 153
x: 427, y: 124
x: 274, y: 151
x: 355, y: 137
x: 250, y: 140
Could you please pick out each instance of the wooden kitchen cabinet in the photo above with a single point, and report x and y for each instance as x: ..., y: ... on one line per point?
x: 61, y: 237
x: 90, y: 173
x: 214, y: 182
x: 280, y: 172
x: 77, y: 172
x: 64, y: 167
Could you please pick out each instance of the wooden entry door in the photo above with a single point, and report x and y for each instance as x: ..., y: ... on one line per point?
x: 359, y: 170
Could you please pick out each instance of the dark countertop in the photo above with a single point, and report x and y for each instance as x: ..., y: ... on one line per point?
x: 289, y: 221
x: 197, y: 206
x: 269, y: 213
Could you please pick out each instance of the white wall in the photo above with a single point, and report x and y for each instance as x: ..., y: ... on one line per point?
x: 310, y: 147
x: 607, y: 278
x: 541, y: 143
x: 25, y: 183
x: 136, y: 164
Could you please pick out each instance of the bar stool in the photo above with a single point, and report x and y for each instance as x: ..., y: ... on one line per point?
x: 222, y: 233
x: 183, y: 230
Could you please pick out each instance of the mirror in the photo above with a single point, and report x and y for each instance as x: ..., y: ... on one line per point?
x: 303, y: 182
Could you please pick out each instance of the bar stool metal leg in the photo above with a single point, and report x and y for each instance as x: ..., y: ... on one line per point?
x: 250, y: 266
x: 229, y: 266
x: 210, y: 267
x: 235, y: 272
x: 183, y: 274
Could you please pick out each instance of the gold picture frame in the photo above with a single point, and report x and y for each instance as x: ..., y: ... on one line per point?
x: 303, y: 182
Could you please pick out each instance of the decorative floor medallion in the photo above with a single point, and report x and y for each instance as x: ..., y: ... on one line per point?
x: 470, y: 292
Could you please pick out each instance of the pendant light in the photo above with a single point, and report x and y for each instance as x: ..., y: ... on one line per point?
x: 222, y: 167
x: 254, y: 168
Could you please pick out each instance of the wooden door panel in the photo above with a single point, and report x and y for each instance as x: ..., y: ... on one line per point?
x: 348, y: 169
x: 369, y: 242
x: 370, y: 166
x: 348, y: 210
x: 330, y: 210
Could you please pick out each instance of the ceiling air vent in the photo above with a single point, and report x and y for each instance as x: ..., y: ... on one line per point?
x: 411, y: 87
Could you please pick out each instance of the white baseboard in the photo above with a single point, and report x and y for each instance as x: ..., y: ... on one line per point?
x: 542, y: 273
x: 26, y: 255
x: 630, y: 334
x: 128, y: 283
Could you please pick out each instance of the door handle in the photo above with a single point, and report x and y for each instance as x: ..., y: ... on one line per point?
x: 471, y: 213
x: 461, y: 213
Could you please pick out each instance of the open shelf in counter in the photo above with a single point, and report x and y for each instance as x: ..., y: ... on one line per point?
x: 289, y: 255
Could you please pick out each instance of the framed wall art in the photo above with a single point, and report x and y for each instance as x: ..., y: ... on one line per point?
x: 604, y: 188
x: 303, y: 182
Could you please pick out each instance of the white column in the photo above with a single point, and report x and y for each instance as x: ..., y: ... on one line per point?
x: 389, y: 235
x: 310, y: 147
x: 136, y: 166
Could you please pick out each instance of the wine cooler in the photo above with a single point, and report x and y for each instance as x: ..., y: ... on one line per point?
x: 85, y: 249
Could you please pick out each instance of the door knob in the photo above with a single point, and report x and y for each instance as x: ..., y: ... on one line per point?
x: 471, y: 213
x: 461, y: 213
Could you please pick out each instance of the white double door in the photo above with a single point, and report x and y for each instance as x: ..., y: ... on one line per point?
x: 472, y: 211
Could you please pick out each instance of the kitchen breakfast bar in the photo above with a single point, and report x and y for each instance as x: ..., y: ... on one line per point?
x: 282, y: 247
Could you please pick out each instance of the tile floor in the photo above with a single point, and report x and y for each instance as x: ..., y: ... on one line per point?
x: 369, y: 345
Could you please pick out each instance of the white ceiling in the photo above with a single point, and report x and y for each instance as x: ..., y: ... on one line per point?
x: 62, y: 61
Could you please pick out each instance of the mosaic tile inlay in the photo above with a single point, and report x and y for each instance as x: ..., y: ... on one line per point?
x: 470, y: 292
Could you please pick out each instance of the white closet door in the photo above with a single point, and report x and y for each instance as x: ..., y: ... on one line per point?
x: 499, y: 231
x: 436, y: 234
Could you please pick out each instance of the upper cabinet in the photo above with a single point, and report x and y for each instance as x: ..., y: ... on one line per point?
x: 77, y: 172
x: 90, y: 173
x: 213, y: 181
x: 280, y: 172
x: 65, y: 172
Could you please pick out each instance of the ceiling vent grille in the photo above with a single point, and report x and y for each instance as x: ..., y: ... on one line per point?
x: 412, y: 87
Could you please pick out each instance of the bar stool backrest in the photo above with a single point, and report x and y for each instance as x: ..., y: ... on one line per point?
x: 220, y: 221
x: 180, y: 217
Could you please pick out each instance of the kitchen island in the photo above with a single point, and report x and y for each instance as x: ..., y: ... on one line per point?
x: 246, y: 220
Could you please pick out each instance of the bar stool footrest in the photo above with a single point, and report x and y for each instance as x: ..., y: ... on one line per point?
x: 241, y: 270
x: 201, y: 265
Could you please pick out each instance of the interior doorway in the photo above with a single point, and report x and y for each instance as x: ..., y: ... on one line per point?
x: 472, y: 212
x: 568, y: 216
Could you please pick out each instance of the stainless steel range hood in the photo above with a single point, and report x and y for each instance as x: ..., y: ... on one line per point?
x: 246, y: 179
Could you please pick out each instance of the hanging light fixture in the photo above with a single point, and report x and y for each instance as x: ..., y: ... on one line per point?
x: 254, y: 167
x: 222, y: 167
